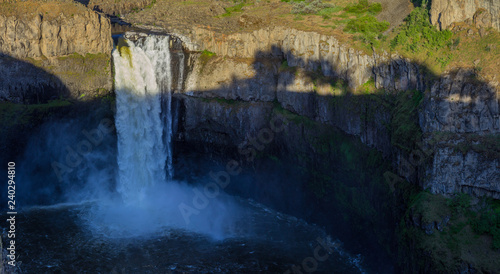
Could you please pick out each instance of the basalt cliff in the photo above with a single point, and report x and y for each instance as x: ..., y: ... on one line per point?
x: 52, y: 49
x: 346, y: 112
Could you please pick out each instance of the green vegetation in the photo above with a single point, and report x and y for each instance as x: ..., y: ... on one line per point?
x: 285, y: 67
x: 151, y: 4
x: 368, y: 87
x: 370, y: 28
x: 205, y: 57
x: 405, y: 131
x: 488, y: 222
x: 417, y: 34
x: 19, y: 114
x: 207, y: 54
x: 453, y: 231
x: 364, y: 6
x: 367, y: 24
x: 236, y: 8
x: 356, y: 18
x: 326, y: 13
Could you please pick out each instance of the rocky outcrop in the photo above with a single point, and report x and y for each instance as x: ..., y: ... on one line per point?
x: 303, y: 65
x: 460, y: 103
x: 309, y: 50
x: 53, y: 49
x: 486, y: 13
x: 456, y: 172
x: 231, y: 79
x: 455, y: 98
x: 36, y: 36
x: 222, y: 123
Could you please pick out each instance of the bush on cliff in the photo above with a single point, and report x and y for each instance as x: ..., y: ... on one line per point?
x: 417, y: 34
x: 366, y: 24
x: 364, y: 6
x: 370, y: 28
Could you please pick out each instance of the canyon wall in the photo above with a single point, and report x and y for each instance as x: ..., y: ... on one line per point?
x: 485, y: 13
x: 51, y: 49
x: 112, y: 7
x: 316, y: 77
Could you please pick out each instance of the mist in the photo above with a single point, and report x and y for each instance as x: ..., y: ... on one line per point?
x: 89, y: 177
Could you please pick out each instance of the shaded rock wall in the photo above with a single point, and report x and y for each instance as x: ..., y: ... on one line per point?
x: 455, y: 172
x: 460, y: 103
x: 249, y: 67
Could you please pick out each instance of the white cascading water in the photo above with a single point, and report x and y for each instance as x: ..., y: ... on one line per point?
x: 149, y: 200
x: 142, y: 84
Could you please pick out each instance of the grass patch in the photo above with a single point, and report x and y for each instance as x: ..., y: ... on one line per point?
x: 327, y: 13
x: 363, y: 6
x: 366, y: 24
x: 369, y: 86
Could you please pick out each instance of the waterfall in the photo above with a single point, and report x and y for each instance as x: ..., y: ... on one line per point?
x: 143, y: 114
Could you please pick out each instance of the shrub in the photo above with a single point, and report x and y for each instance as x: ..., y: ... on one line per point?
x: 418, y: 34
x: 309, y: 7
x: 370, y: 27
x: 366, y: 24
x: 364, y: 6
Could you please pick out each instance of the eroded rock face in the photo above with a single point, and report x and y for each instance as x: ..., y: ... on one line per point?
x: 445, y: 12
x: 231, y: 79
x: 460, y: 103
x: 219, y: 123
x: 34, y: 36
x: 456, y: 172
x: 308, y: 50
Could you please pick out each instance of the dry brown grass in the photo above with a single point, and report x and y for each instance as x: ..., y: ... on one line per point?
x: 48, y: 8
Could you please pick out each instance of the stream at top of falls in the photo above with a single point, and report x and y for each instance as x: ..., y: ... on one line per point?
x: 150, y: 223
